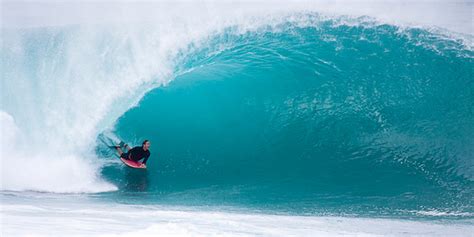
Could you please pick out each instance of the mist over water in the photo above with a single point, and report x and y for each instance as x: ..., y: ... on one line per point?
x: 453, y: 15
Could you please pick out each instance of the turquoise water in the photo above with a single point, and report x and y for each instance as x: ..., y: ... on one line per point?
x: 270, y: 124
x: 326, y: 119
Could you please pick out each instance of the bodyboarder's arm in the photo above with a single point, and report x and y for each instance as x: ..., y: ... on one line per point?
x: 146, y: 159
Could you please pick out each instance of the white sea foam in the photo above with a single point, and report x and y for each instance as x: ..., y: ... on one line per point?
x: 24, y: 169
x: 59, y: 217
x: 443, y: 213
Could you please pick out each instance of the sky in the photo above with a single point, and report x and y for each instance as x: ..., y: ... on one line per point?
x: 456, y: 16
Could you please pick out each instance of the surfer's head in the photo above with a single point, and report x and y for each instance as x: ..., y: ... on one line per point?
x: 146, y: 145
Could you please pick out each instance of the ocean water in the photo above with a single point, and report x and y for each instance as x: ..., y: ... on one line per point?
x: 296, y: 119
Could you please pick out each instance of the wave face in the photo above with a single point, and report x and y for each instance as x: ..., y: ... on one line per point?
x: 300, y: 112
x: 309, y: 116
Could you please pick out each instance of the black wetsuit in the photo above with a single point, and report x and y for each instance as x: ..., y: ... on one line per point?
x: 137, y: 153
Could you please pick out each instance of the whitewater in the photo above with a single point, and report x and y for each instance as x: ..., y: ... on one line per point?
x: 293, y: 118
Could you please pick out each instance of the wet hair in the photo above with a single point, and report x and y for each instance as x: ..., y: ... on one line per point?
x: 144, y: 142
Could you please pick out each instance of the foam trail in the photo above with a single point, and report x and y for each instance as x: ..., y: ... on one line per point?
x: 96, y: 219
